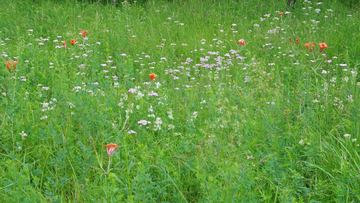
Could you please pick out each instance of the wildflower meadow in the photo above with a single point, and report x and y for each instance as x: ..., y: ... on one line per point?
x: 179, y: 101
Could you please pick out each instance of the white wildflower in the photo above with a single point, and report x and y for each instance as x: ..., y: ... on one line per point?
x: 171, y: 126
x: 23, y: 134
x: 158, y: 123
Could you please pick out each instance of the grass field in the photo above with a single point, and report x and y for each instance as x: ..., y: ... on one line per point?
x: 196, y: 115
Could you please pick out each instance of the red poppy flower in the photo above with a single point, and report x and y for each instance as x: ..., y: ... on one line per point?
x: 152, y: 76
x: 9, y: 64
x: 242, y: 42
x: 72, y: 42
x: 290, y: 39
x: 322, y: 46
x: 281, y: 14
x: 64, y: 44
x: 110, y: 148
x: 308, y: 45
x: 297, y: 41
x: 84, y: 32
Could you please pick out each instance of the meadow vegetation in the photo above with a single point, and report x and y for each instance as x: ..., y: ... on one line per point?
x: 179, y: 101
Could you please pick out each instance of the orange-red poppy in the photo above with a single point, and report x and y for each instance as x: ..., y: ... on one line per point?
x: 72, y: 42
x: 308, y: 45
x: 84, y: 32
x: 281, y: 14
x: 152, y: 76
x: 10, y: 63
x: 297, y: 41
x: 290, y: 39
x: 110, y: 148
x: 64, y: 44
x: 242, y: 42
x: 322, y: 46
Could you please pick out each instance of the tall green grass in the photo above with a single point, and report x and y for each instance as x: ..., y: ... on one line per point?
x: 266, y: 122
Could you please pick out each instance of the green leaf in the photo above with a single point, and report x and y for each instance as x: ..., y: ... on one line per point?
x: 37, y: 172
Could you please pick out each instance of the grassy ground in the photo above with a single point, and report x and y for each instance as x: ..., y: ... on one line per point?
x: 270, y: 121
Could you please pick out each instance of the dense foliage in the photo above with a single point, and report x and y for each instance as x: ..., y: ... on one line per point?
x: 190, y: 101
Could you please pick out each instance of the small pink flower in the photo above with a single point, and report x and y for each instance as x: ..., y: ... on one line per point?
x: 132, y: 90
